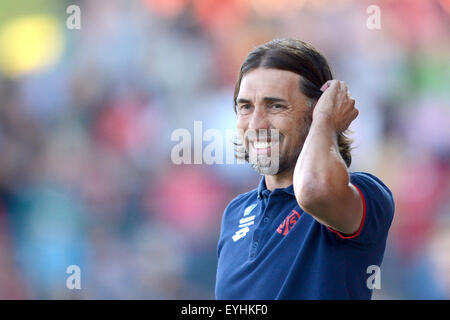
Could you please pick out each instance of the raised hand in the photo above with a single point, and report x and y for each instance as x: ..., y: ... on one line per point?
x: 336, y: 105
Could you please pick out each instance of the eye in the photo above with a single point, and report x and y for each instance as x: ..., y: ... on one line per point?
x: 277, y: 106
x: 244, y: 108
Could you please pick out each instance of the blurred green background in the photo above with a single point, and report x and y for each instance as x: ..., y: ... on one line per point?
x: 86, y: 118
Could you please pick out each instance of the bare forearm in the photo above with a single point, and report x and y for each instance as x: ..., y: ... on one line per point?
x: 321, y: 179
x: 320, y: 173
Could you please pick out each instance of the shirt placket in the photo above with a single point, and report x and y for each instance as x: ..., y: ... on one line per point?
x: 263, y: 223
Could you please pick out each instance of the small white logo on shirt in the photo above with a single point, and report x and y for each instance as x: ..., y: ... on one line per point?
x: 239, y: 234
x: 249, y: 209
x: 244, y: 224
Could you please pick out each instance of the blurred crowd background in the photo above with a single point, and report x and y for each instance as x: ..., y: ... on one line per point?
x: 86, y: 118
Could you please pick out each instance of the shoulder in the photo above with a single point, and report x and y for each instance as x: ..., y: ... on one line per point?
x: 234, y: 212
x: 237, y: 206
x: 242, y: 199
x: 378, y: 203
x: 371, y: 186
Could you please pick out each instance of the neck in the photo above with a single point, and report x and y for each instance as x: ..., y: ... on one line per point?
x: 281, y: 180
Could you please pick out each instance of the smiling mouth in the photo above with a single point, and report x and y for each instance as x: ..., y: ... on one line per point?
x: 263, y: 147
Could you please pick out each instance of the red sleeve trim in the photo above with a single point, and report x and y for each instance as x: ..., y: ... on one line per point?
x: 362, y: 220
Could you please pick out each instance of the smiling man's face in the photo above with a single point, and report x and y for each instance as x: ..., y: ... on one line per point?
x: 271, y: 99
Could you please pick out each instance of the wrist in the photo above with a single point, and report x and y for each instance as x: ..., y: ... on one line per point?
x: 324, y: 122
x: 322, y: 118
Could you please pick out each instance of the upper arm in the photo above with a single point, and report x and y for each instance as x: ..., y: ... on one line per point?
x: 341, y: 209
x: 378, y: 210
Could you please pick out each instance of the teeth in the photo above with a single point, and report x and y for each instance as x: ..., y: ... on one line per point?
x: 262, y: 145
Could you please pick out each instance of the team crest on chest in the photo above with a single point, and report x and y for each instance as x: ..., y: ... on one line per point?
x: 288, y: 223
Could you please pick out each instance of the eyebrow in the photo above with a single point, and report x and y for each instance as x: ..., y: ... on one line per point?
x: 265, y: 99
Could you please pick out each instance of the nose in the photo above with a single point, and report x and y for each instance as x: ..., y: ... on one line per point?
x: 259, y: 119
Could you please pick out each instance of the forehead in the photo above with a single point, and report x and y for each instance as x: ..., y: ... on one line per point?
x: 262, y: 82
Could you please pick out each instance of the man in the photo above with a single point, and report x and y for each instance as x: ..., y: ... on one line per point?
x: 311, y: 229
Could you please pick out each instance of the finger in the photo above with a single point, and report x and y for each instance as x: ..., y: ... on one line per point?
x: 325, y: 86
x: 352, y: 101
x: 336, y: 83
x: 328, y: 84
x: 344, y: 87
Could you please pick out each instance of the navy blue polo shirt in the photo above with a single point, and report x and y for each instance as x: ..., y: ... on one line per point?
x: 269, y: 248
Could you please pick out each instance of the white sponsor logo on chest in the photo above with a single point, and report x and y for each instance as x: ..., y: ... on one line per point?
x: 244, y: 223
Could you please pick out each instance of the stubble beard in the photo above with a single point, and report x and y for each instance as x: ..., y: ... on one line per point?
x: 277, y: 162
